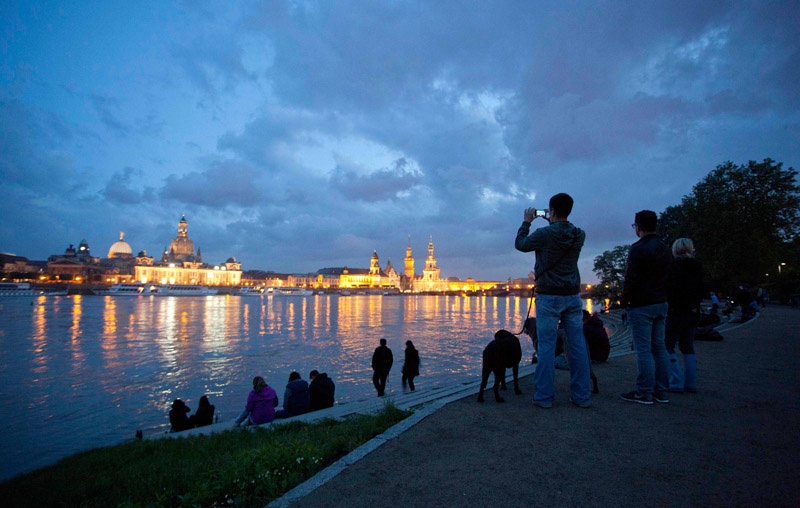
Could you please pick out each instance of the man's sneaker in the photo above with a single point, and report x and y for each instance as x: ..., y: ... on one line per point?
x: 543, y: 405
x: 584, y: 405
x: 660, y: 397
x: 635, y: 397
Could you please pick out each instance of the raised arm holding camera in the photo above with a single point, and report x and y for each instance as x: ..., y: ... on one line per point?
x: 557, y: 246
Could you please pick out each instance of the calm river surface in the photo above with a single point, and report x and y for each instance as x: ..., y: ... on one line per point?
x: 81, y: 372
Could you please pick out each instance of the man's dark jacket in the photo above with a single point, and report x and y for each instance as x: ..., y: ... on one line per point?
x: 382, y: 359
x: 646, y: 274
x: 322, y: 391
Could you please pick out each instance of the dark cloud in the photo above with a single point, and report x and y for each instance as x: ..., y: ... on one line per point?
x: 297, y: 135
x: 225, y: 183
x: 108, y: 110
x: 122, y: 188
x: 380, y: 185
x: 213, y: 67
x: 34, y: 151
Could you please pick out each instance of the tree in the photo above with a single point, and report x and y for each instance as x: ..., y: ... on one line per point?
x: 742, y: 219
x: 610, y: 269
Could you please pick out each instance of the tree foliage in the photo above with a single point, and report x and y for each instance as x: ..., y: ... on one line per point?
x: 743, y: 221
x: 609, y: 267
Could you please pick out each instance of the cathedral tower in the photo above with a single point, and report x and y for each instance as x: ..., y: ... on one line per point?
x: 408, y: 270
x: 182, y: 248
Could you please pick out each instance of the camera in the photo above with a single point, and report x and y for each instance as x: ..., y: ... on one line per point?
x: 541, y: 213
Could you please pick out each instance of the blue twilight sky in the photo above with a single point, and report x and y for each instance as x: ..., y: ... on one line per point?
x: 297, y: 135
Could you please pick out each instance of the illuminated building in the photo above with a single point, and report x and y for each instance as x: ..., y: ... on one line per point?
x: 180, y: 265
x: 374, y: 278
x: 430, y: 280
x: 120, y: 249
x: 75, y: 264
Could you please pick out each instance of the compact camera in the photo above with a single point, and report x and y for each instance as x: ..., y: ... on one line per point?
x: 541, y: 213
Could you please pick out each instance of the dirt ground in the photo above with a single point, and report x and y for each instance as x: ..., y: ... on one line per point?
x: 734, y: 443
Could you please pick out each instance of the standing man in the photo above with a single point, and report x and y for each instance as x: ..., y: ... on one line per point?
x: 557, y: 246
x: 644, y: 294
x: 382, y: 360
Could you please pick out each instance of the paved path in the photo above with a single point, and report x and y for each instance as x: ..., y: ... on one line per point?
x: 735, y: 443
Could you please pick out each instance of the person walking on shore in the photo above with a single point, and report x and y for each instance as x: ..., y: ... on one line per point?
x: 557, y: 246
x: 644, y: 295
x: 410, y: 365
x: 382, y: 360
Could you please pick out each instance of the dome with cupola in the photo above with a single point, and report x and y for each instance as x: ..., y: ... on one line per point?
x: 120, y: 248
x: 182, y: 248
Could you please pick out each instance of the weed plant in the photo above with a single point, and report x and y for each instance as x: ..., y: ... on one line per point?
x: 234, y: 468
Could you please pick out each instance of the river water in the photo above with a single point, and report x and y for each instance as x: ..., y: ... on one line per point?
x: 81, y: 372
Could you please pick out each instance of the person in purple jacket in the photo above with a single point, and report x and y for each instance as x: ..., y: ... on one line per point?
x: 261, y: 404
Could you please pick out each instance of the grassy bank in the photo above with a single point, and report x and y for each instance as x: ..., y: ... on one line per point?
x: 233, y: 468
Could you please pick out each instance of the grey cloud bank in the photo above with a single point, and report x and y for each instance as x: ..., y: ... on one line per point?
x: 298, y: 135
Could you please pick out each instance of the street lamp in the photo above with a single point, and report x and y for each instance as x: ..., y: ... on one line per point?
x: 779, y: 267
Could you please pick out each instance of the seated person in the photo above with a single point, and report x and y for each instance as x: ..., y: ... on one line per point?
x: 296, y: 399
x: 529, y: 329
x: 596, y: 337
x: 261, y: 404
x: 561, y: 360
x: 178, y: 418
x: 321, y: 391
x: 205, y: 413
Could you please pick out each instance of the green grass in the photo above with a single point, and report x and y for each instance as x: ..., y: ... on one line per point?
x: 231, y: 469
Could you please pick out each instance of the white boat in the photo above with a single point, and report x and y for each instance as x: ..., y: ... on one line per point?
x: 18, y: 289
x: 290, y: 291
x: 251, y: 291
x: 182, y: 290
x: 124, y: 289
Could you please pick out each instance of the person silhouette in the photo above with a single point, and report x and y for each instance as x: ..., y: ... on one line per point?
x: 205, y: 413
x: 178, y: 418
x: 410, y: 365
x: 382, y: 360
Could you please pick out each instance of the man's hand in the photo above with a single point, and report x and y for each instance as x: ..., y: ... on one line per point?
x: 529, y: 215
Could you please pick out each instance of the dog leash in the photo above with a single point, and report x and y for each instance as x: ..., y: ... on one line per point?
x: 530, y: 304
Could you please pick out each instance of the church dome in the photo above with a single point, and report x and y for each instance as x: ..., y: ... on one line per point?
x: 182, y: 247
x: 121, y: 248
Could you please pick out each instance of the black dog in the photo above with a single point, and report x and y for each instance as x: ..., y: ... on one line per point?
x: 500, y: 354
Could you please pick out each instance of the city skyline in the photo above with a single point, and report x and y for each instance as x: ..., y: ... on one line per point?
x: 296, y: 135
x: 104, y: 253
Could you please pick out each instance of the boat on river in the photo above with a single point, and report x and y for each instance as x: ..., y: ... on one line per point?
x: 183, y: 290
x: 19, y: 289
x: 124, y: 289
x: 290, y: 291
x: 251, y: 291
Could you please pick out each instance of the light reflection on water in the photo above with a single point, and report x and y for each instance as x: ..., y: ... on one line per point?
x: 81, y: 372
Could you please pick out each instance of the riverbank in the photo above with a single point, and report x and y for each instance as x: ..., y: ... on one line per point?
x: 735, y: 443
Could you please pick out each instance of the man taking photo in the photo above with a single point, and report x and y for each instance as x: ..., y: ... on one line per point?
x: 557, y: 246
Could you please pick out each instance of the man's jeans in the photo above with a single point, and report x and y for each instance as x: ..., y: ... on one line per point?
x: 647, y: 327
x: 550, y: 309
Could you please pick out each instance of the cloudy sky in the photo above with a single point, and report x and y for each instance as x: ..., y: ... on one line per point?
x: 300, y: 135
